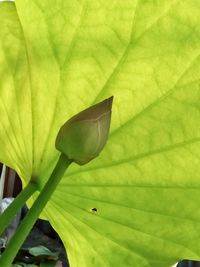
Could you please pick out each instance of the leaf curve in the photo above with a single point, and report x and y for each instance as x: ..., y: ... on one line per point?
x: 145, y: 184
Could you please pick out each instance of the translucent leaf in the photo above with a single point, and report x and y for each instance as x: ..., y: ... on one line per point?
x: 138, y: 203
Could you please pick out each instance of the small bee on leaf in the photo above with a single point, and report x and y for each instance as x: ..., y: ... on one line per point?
x: 93, y: 210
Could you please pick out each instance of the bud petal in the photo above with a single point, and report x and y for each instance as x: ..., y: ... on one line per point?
x: 83, y: 136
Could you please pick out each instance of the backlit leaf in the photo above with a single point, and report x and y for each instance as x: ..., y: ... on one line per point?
x: 137, y: 204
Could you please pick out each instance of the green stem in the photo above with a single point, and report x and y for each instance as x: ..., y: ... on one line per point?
x: 15, y: 206
x: 31, y: 217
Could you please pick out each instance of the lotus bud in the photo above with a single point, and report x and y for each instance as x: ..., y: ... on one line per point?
x: 83, y: 136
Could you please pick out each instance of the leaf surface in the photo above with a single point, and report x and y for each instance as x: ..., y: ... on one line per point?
x: 59, y: 57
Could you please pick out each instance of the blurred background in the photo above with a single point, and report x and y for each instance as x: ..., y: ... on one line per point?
x: 42, y: 233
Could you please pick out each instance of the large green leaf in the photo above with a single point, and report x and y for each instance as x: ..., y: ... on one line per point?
x: 59, y: 57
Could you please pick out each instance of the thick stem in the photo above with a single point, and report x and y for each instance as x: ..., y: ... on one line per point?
x: 31, y: 217
x: 15, y: 206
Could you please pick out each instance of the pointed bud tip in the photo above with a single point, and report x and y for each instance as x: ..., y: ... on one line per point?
x: 103, y: 106
x: 110, y: 101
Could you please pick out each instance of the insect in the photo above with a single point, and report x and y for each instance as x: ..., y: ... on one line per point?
x: 93, y: 210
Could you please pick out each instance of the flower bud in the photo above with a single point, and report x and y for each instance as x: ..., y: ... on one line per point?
x: 83, y: 136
